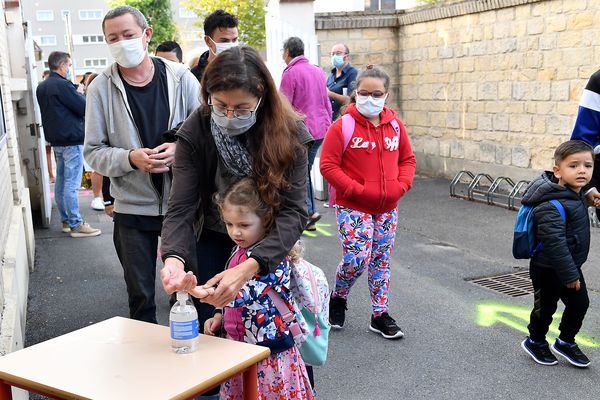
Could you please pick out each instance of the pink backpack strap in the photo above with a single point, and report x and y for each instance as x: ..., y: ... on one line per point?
x: 396, y: 127
x: 348, y: 124
x: 288, y: 316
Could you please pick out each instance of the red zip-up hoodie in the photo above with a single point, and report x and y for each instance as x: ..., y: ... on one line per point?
x: 374, y: 171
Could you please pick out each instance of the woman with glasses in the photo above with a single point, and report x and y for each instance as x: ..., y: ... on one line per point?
x: 243, y: 129
x: 368, y: 159
x: 340, y: 82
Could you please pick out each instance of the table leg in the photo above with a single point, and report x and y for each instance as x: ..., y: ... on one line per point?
x: 5, y: 391
x: 250, y: 383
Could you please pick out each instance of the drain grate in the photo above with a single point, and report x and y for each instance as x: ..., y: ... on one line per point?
x: 514, y: 285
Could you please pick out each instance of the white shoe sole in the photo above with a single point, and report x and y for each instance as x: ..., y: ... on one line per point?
x: 338, y: 327
x: 398, y: 335
x: 533, y: 356
x: 80, y: 235
x: 575, y: 363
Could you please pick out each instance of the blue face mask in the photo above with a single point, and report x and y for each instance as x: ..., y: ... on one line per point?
x: 337, y: 61
x: 69, y: 76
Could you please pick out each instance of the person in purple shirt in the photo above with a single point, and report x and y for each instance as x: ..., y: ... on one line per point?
x: 305, y: 87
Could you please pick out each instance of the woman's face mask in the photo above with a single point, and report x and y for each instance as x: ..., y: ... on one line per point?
x: 128, y: 53
x: 369, y: 106
x: 233, y: 126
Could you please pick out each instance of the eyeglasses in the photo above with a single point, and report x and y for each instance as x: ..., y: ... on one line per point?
x: 376, y: 94
x: 338, y: 53
x: 239, y: 113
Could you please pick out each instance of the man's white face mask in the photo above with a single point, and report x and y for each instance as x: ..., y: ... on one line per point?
x: 221, y: 47
x: 128, y: 53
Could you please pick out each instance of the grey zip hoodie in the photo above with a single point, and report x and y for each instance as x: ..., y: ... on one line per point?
x: 110, y: 134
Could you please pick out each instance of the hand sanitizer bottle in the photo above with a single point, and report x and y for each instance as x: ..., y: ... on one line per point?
x: 183, y: 320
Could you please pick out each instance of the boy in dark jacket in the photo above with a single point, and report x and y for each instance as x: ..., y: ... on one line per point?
x: 556, y: 270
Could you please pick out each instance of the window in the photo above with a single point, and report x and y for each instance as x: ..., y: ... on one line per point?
x: 92, y: 39
x: 185, y: 13
x: 44, y: 15
x: 375, y: 5
x: 94, y: 62
x: 88, y: 39
x: 46, y: 66
x: 88, y: 15
x: 47, y: 40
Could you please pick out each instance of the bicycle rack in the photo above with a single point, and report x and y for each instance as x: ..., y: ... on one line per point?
x: 456, y: 181
x: 475, y: 188
x: 514, y: 194
x: 496, y: 192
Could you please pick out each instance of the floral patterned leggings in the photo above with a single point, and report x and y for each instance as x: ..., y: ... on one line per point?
x: 367, y: 240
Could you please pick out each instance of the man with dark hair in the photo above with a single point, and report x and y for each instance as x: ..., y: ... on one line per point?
x: 170, y: 50
x: 220, y: 33
x: 63, y: 111
x: 305, y: 87
x: 132, y: 106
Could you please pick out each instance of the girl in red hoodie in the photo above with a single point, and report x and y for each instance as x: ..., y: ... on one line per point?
x: 370, y: 172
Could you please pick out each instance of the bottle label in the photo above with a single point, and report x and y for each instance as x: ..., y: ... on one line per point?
x: 184, y: 330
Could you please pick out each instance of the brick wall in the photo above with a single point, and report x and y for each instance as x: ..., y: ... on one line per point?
x: 491, y: 86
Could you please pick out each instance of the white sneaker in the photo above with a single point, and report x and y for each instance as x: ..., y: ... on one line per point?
x: 66, y: 228
x: 98, y: 204
x: 85, y: 230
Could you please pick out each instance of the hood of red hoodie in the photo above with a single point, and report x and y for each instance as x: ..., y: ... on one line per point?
x: 386, y: 115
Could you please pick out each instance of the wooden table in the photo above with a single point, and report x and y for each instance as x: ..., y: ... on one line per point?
x: 125, y: 359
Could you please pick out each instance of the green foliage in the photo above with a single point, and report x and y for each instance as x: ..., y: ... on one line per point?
x: 250, y: 14
x: 159, y: 15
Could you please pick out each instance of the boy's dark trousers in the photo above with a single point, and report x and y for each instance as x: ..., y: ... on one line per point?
x: 548, y: 290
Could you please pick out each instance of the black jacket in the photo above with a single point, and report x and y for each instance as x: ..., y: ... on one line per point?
x: 199, y: 173
x: 63, y: 111
x: 566, y: 244
x: 198, y: 69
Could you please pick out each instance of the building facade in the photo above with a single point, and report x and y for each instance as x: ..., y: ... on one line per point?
x: 90, y: 53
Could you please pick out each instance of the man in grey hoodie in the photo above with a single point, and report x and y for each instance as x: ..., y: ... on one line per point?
x: 130, y: 107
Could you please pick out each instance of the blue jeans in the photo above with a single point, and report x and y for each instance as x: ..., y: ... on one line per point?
x: 69, y: 168
x: 312, y: 153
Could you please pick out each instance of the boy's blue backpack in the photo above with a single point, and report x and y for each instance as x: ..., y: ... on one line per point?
x: 525, y: 244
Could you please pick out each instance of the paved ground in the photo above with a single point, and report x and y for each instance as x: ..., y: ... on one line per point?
x: 446, y: 354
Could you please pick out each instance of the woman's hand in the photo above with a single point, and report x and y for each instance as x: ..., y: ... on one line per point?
x: 229, y: 282
x: 175, y: 279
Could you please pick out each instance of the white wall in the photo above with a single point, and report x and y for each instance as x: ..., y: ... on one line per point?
x: 284, y: 20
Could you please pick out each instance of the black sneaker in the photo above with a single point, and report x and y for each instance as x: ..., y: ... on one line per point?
x: 540, y: 352
x: 385, y: 326
x: 337, y: 312
x: 571, y: 353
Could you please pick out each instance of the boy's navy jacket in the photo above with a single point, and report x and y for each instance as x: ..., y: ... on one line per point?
x: 63, y: 111
x: 566, y: 244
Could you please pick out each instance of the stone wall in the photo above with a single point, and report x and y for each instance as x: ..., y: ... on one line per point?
x: 490, y: 86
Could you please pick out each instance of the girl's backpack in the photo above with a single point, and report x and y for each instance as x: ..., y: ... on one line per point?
x: 348, y: 124
x: 310, y: 292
